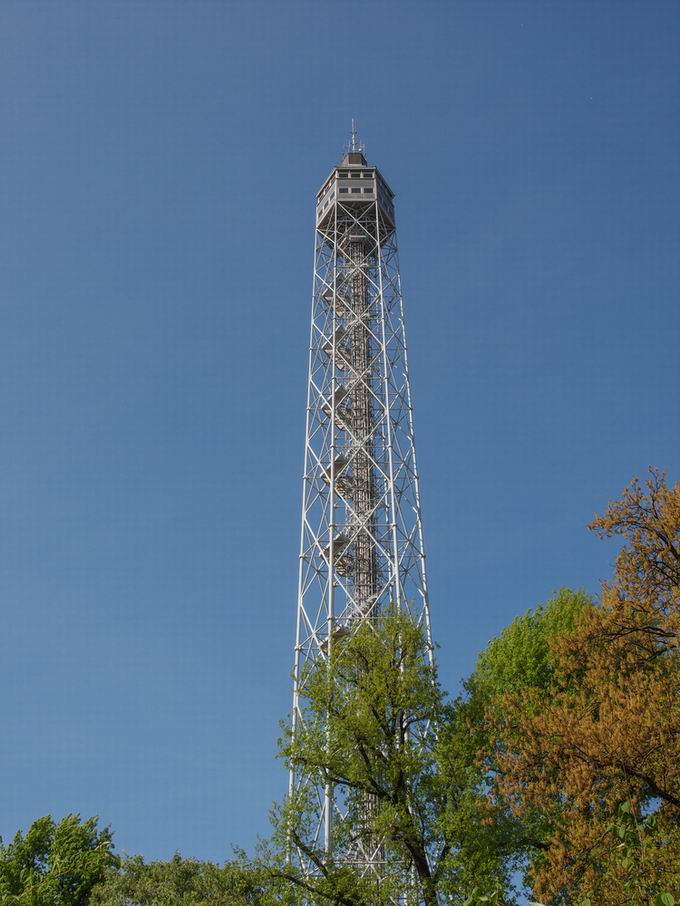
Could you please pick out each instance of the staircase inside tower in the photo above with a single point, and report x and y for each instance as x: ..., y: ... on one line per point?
x: 360, y: 438
x: 355, y: 359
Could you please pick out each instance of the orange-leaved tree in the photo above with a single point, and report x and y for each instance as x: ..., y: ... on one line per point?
x: 599, y: 756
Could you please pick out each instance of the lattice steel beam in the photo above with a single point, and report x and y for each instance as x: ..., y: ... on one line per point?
x: 361, y: 546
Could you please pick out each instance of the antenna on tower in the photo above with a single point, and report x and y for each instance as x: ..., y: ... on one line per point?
x: 354, y: 146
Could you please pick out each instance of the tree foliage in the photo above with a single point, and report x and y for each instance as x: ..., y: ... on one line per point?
x: 366, y: 729
x: 494, y: 844
x: 55, y: 864
x: 607, y: 736
x: 556, y: 771
x: 179, y: 882
x: 438, y: 804
x: 558, y: 763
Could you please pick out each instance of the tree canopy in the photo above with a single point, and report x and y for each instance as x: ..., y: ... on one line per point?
x: 494, y: 844
x: 365, y: 730
x: 180, y: 882
x: 55, y: 864
x: 598, y: 755
x: 555, y: 774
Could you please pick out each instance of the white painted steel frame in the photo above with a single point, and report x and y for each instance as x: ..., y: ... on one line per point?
x: 356, y: 294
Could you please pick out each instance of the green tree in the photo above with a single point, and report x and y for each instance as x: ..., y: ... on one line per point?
x: 364, y: 715
x: 439, y: 807
x: 180, y: 882
x: 494, y: 846
x: 55, y: 864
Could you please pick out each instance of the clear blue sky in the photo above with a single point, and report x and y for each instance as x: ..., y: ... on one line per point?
x: 158, y: 168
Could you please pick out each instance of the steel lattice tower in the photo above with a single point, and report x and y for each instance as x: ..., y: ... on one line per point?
x: 362, y: 541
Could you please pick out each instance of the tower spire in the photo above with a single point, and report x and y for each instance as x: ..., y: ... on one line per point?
x: 354, y: 149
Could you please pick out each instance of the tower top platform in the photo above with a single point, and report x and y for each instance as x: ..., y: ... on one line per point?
x: 353, y: 182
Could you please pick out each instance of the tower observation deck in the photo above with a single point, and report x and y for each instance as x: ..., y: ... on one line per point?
x: 361, y: 547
